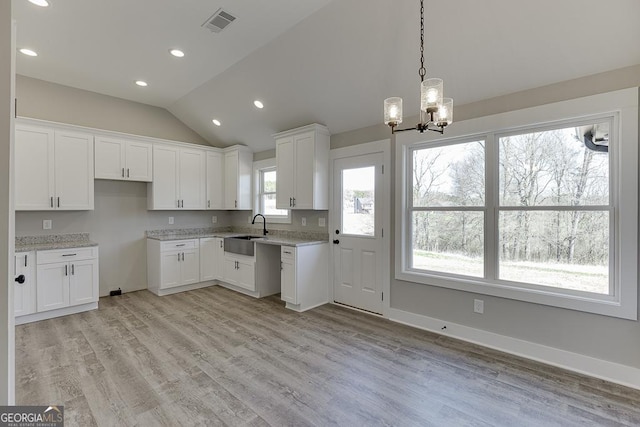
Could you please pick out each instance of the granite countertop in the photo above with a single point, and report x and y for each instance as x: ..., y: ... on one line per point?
x: 275, y: 237
x: 53, y: 241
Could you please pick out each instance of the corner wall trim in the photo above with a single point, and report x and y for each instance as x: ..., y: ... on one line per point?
x: 614, y: 372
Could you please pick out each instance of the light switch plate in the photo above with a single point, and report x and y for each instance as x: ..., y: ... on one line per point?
x: 304, y: 221
x: 171, y: 220
x: 214, y: 219
x: 321, y: 222
x: 478, y: 306
x: 46, y: 224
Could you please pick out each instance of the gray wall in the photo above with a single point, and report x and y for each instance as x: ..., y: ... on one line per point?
x: 6, y: 208
x: 39, y: 99
x: 606, y: 338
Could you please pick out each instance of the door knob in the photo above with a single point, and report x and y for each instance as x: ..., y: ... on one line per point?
x: 20, y: 279
x: 336, y: 242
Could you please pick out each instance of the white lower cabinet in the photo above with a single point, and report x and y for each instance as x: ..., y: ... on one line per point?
x: 211, y: 258
x: 24, y: 294
x: 57, y: 282
x: 173, y: 266
x: 240, y: 270
x: 304, y: 276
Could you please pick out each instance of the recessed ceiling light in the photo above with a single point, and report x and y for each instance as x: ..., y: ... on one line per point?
x: 177, y: 53
x: 216, y: 122
x: 141, y: 83
x: 258, y: 104
x: 28, y: 52
x: 41, y: 3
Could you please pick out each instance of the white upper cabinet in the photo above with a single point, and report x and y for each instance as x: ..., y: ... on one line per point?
x: 302, y: 160
x: 178, y: 179
x: 238, y: 162
x: 123, y: 160
x: 215, y: 180
x: 54, y: 169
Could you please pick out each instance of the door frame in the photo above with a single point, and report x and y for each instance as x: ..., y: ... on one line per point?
x: 384, y: 147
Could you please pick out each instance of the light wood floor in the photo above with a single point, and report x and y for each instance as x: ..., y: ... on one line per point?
x: 215, y: 357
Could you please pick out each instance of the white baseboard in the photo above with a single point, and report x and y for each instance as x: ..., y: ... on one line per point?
x: 36, y: 317
x: 177, y: 289
x: 614, y: 372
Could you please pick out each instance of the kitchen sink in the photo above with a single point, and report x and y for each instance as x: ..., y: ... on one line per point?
x: 241, y: 245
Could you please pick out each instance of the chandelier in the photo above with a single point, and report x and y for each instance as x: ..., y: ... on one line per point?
x: 436, y: 112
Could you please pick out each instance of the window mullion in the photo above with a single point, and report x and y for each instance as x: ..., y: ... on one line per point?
x: 492, y: 191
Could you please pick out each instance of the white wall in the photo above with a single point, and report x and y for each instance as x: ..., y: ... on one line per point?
x: 6, y: 206
x: 605, y: 338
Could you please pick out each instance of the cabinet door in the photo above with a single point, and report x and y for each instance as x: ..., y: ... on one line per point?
x: 52, y: 286
x: 34, y: 163
x: 219, y: 258
x: 83, y: 285
x: 109, y: 158
x: 208, y: 262
x: 170, y: 269
x: 246, y: 275
x: 284, y: 177
x: 24, y: 296
x: 73, y: 171
x: 215, y: 181
x: 191, y: 181
x: 288, y: 281
x: 231, y: 180
x: 304, y: 170
x: 230, y: 270
x: 139, y: 161
x: 165, y: 178
x: 190, y: 266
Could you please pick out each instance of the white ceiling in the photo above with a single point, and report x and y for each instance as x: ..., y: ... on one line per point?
x: 331, y: 62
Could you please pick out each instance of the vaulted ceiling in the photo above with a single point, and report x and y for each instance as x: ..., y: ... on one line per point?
x: 326, y: 61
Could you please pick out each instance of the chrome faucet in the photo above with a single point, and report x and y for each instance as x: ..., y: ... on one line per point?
x: 264, y: 223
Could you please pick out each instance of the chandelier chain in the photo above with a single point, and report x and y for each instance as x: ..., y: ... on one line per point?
x: 422, y: 71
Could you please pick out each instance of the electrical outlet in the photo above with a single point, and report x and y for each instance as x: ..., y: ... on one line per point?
x: 46, y: 224
x: 214, y: 219
x: 304, y: 221
x: 171, y: 220
x: 478, y: 306
x: 321, y: 222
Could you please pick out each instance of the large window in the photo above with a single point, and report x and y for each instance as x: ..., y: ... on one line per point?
x: 265, y: 174
x: 539, y: 213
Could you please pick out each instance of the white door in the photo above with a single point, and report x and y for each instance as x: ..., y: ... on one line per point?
x: 215, y: 181
x: 231, y: 180
x: 284, y: 177
x: 288, y: 281
x: 82, y: 282
x: 109, y: 158
x: 34, y: 176
x: 170, y: 269
x: 52, y: 286
x: 165, y: 177
x: 190, y: 266
x: 192, y: 179
x: 357, y: 236
x: 208, y: 259
x: 139, y: 161
x: 304, y: 152
x: 24, y: 296
x: 219, y: 258
x: 74, y: 170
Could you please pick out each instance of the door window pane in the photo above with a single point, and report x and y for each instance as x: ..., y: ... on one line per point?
x: 358, y: 201
x: 563, y: 249
x: 448, y: 242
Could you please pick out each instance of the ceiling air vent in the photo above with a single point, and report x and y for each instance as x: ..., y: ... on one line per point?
x: 219, y: 21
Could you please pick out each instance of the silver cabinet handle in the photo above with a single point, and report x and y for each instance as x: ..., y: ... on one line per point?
x: 51, y: 201
x: 73, y: 270
x: 123, y: 172
x: 69, y: 254
x: 178, y: 203
x: 183, y: 256
x: 58, y: 201
x: 25, y: 260
x: 66, y: 270
x: 178, y: 256
x: 294, y: 202
x: 208, y: 203
x: 281, y: 266
x: 236, y: 203
x: 127, y: 172
x: 180, y: 245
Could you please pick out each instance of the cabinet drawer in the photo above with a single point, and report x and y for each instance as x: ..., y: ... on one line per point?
x: 66, y: 255
x: 287, y: 252
x: 179, y: 245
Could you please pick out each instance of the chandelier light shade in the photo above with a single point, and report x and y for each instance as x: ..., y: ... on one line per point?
x: 436, y: 112
x: 393, y: 111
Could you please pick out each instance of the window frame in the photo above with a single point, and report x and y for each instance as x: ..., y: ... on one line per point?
x: 622, y: 107
x: 259, y: 168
